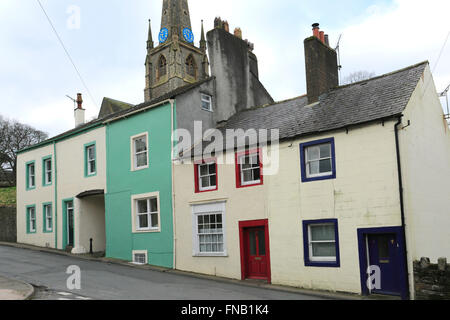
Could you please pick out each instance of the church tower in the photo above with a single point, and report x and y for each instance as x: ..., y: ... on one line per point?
x: 175, y: 61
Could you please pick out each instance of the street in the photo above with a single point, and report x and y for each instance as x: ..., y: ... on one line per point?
x: 104, y: 281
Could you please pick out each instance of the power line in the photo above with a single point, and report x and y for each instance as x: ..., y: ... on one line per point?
x: 67, y: 52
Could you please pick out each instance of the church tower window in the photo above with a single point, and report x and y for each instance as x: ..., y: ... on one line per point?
x: 191, y: 68
x: 162, y: 66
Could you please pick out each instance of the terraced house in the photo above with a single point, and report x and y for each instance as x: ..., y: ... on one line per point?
x: 353, y: 189
x: 107, y: 184
x: 360, y: 187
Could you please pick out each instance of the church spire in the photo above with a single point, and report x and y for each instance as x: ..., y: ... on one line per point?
x: 175, y: 17
x: 203, y: 40
x: 150, y: 43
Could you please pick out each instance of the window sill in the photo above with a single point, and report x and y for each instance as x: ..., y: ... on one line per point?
x: 319, y: 178
x: 322, y: 264
x: 203, y: 191
x: 139, y: 169
x: 213, y: 255
x: 147, y: 231
x: 250, y: 185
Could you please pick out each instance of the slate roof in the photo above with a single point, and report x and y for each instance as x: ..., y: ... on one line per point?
x: 121, y: 112
x: 377, y: 98
x: 110, y: 106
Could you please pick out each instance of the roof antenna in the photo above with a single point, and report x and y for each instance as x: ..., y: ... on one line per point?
x: 74, y: 101
x: 338, y: 50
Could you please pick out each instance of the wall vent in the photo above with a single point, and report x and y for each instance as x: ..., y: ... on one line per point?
x: 140, y: 257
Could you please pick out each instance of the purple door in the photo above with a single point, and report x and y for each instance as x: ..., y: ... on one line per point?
x: 384, y: 253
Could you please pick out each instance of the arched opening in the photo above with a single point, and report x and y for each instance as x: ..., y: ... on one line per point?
x: 191, y: 67
x: 162, y: 67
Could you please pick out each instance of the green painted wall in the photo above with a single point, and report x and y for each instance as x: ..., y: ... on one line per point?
x: 122, y: 184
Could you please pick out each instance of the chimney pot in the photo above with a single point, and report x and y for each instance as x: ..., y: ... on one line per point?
x: 327, y: 40
x: 316, y: 30
x: 80, y: 101
x: 322, y: 36
x: 79, y: 111
x: 238, y: 33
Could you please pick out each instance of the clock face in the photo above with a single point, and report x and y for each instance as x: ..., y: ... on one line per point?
x: 188, y: 35
x: 163, y: 35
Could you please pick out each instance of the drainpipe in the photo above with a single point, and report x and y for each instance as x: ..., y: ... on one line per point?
x: 174, y: 228
x: 56, y: 194
x: 402, y: 206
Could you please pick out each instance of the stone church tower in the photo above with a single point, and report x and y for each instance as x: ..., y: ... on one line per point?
x: 175, y: 61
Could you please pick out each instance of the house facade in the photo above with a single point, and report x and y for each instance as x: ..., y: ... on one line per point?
x: 351, y: 199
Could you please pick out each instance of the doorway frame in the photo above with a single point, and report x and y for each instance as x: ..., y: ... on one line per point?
x: 363, y: 256
x: 65, y: 235
x: 252, y: 224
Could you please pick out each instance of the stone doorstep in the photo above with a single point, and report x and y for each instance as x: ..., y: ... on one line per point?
x: 7, y: 294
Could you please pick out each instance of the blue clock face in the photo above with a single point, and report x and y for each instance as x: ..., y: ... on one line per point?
x: 188, y: 35
x: 163, y: 35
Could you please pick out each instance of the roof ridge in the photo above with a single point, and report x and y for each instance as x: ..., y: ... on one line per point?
x: 383, y: 75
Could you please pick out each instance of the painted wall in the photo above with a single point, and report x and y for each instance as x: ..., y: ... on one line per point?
x: 364, y: 194
x: 36, y: 197
x: 425, y: 155
x: 68, y: 181
x: 123, y: 183
x: 72, y: 181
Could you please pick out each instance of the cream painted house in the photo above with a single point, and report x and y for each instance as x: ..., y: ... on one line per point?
x: 60, y: 190
x: 362, y: 182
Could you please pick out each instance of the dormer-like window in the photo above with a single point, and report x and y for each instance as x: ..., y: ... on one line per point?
x: 191, y: 68
x: 162, y: 67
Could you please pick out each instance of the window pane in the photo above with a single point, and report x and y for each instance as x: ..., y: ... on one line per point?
x: 155, y: 220
x: 325, y: 151
x: 32, y: 169
x: 91, y: 166
x: 91, y: 153
x: 247, y: 176
x: 154, y: 205
x: 141, y: 144
x: 142, y: 206
x: 213, y: 181
x: 262, y: 242
x: 313, y: 167
x: 204, y: 182
x: 383, y: 247
x: 203, y: 170
x: 322, y: 232
x: 212, y: 168
x: 48, y: 165
x: 143, y: 221
x: 256, y: 174
x: 313, y: 153
x: 49, y: 177
x: 252, y: 239
x: 325, y: 166
x: 141, y: 160
x: 324, y: 249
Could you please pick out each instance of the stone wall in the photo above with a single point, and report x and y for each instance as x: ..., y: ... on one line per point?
x: 432, y: 281
x: 8, y: 226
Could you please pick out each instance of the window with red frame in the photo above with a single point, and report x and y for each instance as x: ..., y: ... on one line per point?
x: 206, y: 176
x: 249, y: 169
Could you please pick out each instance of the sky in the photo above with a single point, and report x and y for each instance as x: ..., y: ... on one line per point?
x: 106, y: 40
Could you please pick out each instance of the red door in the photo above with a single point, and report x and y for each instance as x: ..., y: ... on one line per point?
x: 256, y: 253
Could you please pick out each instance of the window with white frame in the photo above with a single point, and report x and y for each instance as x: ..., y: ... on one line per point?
x: 319, y: 160
x: 31, y: 176
x: 140, y: 151
x: 206, y: 102
x: 146, y: 214
x: 140, y: 257
x: 90, y: 160
x: 31, y: 219
x: 48, y: 217
x: 47, y: 171
x: 209, y: 229
x: 321, y: 242
x: 250, y: 169
x: 207, y: 176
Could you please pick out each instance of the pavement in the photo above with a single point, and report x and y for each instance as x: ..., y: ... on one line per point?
x: 11, y: 289
x: 168, y: 280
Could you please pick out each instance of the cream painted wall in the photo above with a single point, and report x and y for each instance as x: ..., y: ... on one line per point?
x: 70, y: 182
x: 364, y: 194
x: 36, y: 197
x: 425, y: 155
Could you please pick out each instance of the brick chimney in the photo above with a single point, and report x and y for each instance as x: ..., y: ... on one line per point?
x: 321, y: 65
x: 79, y: 111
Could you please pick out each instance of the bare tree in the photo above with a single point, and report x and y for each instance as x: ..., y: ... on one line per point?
x: 358, y: 76
x: 15, y: 136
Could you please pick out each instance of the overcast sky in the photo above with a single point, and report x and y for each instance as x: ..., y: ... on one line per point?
x: 109, y: 47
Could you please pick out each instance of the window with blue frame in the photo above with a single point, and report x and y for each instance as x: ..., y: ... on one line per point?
x: 321, y: 243
x: 318, y: 160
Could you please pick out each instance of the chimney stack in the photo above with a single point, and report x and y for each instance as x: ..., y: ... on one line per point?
x: 321, y: 65
x: 79, y: 111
